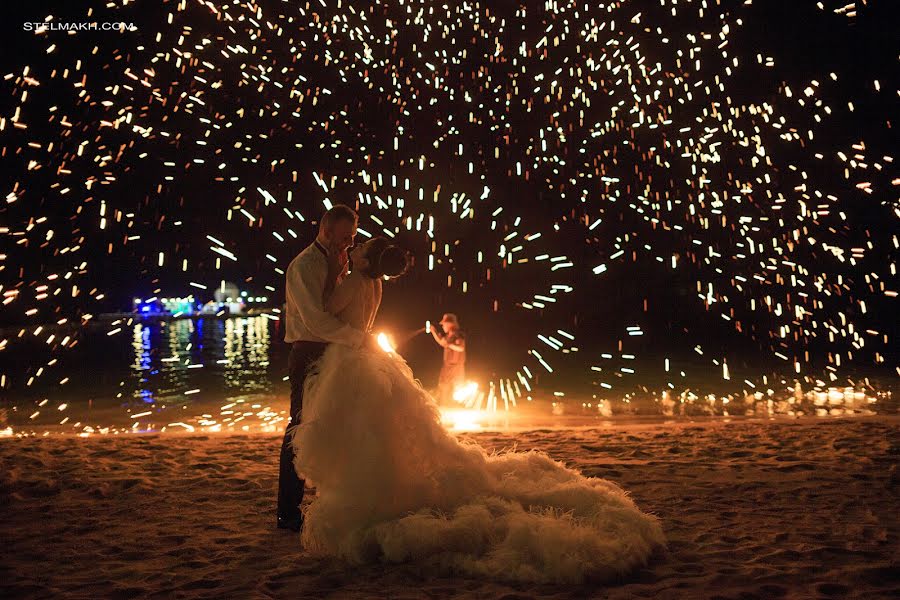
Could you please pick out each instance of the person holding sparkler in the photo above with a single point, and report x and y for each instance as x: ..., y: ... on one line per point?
x: 453, y: 341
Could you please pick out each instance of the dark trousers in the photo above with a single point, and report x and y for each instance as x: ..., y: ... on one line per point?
x: 290, y: 486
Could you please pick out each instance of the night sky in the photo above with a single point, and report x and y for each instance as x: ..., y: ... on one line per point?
x: 718, y: 176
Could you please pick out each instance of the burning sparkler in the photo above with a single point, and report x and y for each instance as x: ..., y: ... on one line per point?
x: 385, y: 343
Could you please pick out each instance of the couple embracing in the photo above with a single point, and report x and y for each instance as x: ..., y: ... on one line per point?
x: 392, y: 484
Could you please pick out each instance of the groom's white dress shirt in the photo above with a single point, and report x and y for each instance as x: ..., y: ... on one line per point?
x: 305, y: 317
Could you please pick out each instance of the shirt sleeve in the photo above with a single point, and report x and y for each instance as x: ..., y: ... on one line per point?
x: 458, y: 340
x: 306, y: 285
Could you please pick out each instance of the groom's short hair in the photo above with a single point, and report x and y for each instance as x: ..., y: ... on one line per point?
x: 337, y: 213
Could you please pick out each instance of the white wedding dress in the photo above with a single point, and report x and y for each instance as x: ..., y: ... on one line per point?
x: 393, y: 485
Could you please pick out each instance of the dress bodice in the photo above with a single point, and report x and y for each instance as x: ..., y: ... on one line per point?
x: 355, y: 301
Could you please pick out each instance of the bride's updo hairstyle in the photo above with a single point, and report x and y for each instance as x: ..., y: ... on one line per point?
x: 385, y: 259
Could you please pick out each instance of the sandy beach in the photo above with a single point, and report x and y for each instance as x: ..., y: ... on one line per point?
x: 751, y: 509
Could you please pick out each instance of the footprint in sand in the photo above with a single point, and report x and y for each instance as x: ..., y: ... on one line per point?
x: 832, y: 589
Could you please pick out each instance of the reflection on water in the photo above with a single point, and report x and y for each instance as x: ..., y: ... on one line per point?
x: 187, y: 357
x: 246, y: 353
x: 229, y: 375
x: 206, y: 374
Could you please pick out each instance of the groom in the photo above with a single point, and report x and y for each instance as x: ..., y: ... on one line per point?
x: 310, y: 279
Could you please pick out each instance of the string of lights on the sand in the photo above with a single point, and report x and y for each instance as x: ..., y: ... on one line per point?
x: 634, y: 128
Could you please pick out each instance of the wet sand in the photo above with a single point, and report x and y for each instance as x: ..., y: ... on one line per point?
x: 751, y: 509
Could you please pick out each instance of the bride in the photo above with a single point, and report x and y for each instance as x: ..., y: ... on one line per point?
x: 393, y: 485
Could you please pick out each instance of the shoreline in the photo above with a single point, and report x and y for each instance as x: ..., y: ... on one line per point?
x: 489, y: 424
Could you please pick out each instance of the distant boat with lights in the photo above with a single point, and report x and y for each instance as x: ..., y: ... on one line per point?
x: 228, y: 302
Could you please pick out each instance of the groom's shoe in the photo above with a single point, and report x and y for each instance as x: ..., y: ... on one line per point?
x: 294, y: 524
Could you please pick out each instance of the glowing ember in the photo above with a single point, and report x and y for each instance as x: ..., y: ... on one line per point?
x: 385, y: 343
x: 465, y: 393
x: 462, y: 420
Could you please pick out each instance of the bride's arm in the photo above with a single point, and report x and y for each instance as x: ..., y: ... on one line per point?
x: 343, y: 293
x: 378, y: 283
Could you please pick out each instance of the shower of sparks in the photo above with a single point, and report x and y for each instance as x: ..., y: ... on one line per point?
x: 573, y: 141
